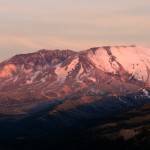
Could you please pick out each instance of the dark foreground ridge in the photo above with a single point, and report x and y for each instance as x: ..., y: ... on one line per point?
x: 102, y: 125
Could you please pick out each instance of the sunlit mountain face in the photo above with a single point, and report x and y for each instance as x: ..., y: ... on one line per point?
x: 58, y: 97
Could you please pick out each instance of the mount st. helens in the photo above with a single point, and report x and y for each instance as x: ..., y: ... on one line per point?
x: 89, y: 75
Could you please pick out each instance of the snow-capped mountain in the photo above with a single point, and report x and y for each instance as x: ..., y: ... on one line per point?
x: 57, y: 74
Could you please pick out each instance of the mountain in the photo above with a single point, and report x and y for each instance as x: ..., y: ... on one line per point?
x: 47, y: 75
x: 89, y: 99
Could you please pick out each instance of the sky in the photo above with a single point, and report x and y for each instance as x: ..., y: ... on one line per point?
x: 30, y: 25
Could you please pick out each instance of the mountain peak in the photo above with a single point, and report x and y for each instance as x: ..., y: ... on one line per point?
x: 55, y: 51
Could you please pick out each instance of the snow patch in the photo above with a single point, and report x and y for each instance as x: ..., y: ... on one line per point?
x: 92, y: 79
x: 134, y: 60
x: 146, y: 93
x: 80, y: 73
x: 101, y: 59
x: 33, y: 77
x: 29, y: 82
x: 62, y: 72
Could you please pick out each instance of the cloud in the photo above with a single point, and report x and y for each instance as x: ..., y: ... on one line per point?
x: 31, y: 25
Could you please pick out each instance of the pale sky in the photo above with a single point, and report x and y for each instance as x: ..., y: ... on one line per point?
x: 30, y: 25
